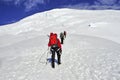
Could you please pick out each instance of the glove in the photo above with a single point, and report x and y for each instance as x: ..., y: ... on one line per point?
x: 60, y: 51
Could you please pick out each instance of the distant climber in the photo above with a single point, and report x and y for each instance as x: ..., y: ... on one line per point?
x: 62, y: 37
x: 65, y: 34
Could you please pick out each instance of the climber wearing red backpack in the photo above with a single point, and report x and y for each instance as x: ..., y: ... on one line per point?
x: 55, y: 47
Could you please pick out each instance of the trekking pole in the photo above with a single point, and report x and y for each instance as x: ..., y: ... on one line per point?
x: 42, y: 57
x: 47, y: 57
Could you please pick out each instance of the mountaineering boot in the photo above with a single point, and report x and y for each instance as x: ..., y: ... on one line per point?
x: 53, y: 65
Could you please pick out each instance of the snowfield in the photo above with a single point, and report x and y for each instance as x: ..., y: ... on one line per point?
x: 91, y: 50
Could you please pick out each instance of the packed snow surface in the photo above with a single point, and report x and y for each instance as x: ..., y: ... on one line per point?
x: 91, y: 50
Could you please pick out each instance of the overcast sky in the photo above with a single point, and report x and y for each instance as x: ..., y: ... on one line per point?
x: 14, y: 10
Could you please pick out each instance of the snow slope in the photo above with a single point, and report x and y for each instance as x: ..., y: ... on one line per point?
x: 91, y: 50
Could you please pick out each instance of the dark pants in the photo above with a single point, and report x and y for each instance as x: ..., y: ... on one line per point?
x: 54, y: 51
x: 62, y: 40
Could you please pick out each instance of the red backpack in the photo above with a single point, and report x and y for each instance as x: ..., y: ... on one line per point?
x: 53, y: 40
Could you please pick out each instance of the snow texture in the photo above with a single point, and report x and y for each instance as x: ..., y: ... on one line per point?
x: 91, y: 50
